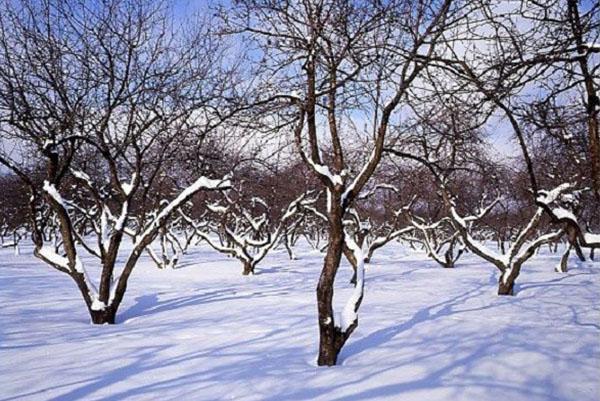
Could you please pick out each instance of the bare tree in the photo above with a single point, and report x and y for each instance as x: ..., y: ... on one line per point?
x: 331, y: 61
x: 102, y: 96
x: 509, y: 51
x: 248, y: 236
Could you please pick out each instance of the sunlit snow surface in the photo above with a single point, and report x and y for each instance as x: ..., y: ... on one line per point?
x: 205, y: 332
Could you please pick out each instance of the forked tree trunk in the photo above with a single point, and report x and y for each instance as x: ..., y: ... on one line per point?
x: 506, y: 288
x: 449, y: 257
x: 104, y: 316
x: 506, y: 283
x: 331, y: 339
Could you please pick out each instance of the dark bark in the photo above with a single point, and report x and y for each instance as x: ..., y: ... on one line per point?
x: 248, y: 268
x: 331, y: 339
x: 506, y: 288
x: 104, y: 316
x: 353, y: 262
x: 563, y: 266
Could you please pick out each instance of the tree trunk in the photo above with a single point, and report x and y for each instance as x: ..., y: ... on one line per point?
x: 350, y: 257
x: 288, y: 248
x: 507, y: 280
x: 330, y: 338
x: 248, y: 268
x: 563, y: 265
x: 104, y: 316
x: 506, y: 288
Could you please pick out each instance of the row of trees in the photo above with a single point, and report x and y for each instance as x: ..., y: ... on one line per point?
x: 358, y: 121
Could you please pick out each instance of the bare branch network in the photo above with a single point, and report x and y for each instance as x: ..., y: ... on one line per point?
x: 451, y: 126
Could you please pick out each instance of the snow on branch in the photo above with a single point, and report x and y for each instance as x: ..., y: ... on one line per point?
x: 199, y: 184
x: 349, y: 315
x: 558, y: 203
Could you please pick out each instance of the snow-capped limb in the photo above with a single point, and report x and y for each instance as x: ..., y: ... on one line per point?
x: 249, y: 239
x: 216, y: 208
x: 483, y: 211
x: 349, y: 315
x: 519, y: 252
x: 376, y: 188
x: 260, y: 201
x: 324, y: 171
x: 150, y: 232
x: 202, y: 183
x: 71, y: 263
x: 389, y: 232
x: 256, y: 222
x: 316, y: 213
x: 434, y: 244
x: 49, y: 255
x: 51, y: 190
x: 547, y: 197
x: 127, y: 187
x: 472, y: 244
x: 550, y: 202
x: 380, y: 241
x: 359, y: 181
x: 80, y: 175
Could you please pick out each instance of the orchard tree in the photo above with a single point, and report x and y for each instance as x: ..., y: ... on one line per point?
x: 535, y: 64
x: 340, y: 71
x: 103, y: 95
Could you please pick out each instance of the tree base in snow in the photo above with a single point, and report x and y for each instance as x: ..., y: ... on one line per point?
x: 330, y: 347
x: 505, y: 288
x: 248, y: 269
x: 105, y: 316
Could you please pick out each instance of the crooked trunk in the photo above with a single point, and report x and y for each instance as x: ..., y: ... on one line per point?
x: 330, y: 338
x: 353, y: 262
x: 563, y: 264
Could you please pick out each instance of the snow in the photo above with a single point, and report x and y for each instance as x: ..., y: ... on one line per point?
x: 128, y: 186
x: 48, y: 253
x: 349, y: 313
x: 548, y: 197
x: 592, y: 239
x: 120, y: 223
x: 53, y: 192
x: 81, y: 175
x: 324, y: 170
x: 200, y: 183
x: 98, y: 305
x: 216, y: 208
x: 562, y: 213
x: 205, y: 332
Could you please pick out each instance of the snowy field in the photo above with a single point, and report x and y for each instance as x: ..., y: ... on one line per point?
x: 205, y: 332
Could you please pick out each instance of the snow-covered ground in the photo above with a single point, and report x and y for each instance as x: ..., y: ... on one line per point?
x: 205, y: 332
